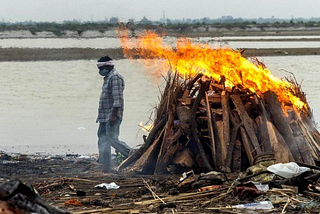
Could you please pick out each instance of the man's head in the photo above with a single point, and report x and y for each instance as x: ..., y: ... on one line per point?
x: 105, y: 64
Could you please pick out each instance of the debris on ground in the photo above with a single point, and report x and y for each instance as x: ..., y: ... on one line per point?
x: 67, y: 188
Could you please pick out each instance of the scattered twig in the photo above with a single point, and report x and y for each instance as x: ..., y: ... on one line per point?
x: 155, y: 196
x: 285, y: 206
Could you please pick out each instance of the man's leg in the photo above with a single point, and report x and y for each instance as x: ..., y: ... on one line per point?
x: 104, y: 145
x: 120, y: 146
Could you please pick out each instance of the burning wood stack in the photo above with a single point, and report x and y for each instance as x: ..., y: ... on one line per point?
x: 203, y: 123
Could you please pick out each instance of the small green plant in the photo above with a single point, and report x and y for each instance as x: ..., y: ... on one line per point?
x: 119, y: 158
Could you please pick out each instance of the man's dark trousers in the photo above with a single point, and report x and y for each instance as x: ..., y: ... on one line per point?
x: 109, y: 136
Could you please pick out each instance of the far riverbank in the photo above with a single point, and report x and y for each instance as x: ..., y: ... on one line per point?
x: 44, y: 54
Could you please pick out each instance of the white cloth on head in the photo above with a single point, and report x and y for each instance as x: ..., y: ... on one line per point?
x: 111, y: 63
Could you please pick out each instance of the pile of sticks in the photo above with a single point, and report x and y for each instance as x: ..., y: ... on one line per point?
x: 203, y: 125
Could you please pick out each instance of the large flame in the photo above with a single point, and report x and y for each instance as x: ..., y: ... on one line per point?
x: 189, y: 59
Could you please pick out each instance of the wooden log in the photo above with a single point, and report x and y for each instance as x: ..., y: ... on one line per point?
x: 150, y: 139
x: 219, y: 126
x: 193, y: 125
x: 168, y: 149
x: 131, y: 159
x: 247, y: 145
x: 214, y: 98
x: 215, y: 125
x: 235, y: 120
x: 184, y: 114
x: 247, y: 122
x: 211, y: 132
x: 236, y: 158
x: 311, y: 127
x: 230, y: 151
x: 310, y: 132
x: 266, y: 144
x: 184, y: 159
x: 263, y: 135
x: 147, y: 162
x: 152, y: 135
x: 280, y: 121
x: 278, y: 144
x: 226, y: 125
x: 194, y: 80
x: 303, y: 145
x: 161, y: 161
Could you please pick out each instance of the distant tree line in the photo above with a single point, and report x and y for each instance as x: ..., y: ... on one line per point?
x: 102, y: 26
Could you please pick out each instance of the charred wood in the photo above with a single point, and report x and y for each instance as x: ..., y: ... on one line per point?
x: 211, y: 132
x: 280, y: 121
x: 247, y: 122
x: 193, y: 125
x: 278, y: 144
x: 226, y: 124
x: 236, y: 158
x: 247, y: 145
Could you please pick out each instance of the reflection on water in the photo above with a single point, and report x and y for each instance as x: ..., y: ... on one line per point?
x: 52, y: 105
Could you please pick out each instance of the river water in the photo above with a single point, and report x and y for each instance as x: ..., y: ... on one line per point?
x: 51, y: 106
x: 109, y: 42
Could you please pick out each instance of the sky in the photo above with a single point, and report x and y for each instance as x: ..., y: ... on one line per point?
x: 95, y: 10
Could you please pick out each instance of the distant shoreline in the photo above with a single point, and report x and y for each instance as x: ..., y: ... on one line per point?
x: 190, y: 31
x: 44, y: 54
x: 49, y: 54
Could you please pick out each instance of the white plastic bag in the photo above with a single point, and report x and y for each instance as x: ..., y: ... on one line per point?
x: 260, y: 205
x: 112, y: 185
x: 287, y: 170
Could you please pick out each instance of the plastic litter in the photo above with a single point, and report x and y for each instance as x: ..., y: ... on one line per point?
x: 186, y: 175
x: 309, y: 205
x: 85, y: 157
x: 262, y: 205
x: 287, y: 170
x: 73, y: 202
x: 261, y: 187
x: 111, y: 185
x: 209, y: 188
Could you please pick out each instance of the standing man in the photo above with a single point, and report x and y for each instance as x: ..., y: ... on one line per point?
x: 110, y: 113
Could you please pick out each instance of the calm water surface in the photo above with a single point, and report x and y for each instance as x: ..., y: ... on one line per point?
x: 51, y: 106
x: 102, y: 43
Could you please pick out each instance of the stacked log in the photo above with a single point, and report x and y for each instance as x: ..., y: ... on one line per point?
x: 203, y: 125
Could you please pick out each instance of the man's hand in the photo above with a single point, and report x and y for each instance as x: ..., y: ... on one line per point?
x: 113, y: 120
x: 113, y: 116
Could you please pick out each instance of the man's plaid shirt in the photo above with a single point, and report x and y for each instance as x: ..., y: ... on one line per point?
x: 111, y: 96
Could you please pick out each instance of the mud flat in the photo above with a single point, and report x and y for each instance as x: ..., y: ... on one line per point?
x: 43, y: 54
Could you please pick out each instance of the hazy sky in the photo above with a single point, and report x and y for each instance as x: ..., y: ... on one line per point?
x: 94, y: 10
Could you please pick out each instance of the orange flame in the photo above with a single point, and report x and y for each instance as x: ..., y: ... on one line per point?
x: 189, y: 59
x: 146, y: 128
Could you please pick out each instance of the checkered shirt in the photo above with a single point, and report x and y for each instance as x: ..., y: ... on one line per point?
x: 111, y: 96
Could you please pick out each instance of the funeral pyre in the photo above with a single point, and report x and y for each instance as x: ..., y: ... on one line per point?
x: 220, y: 111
